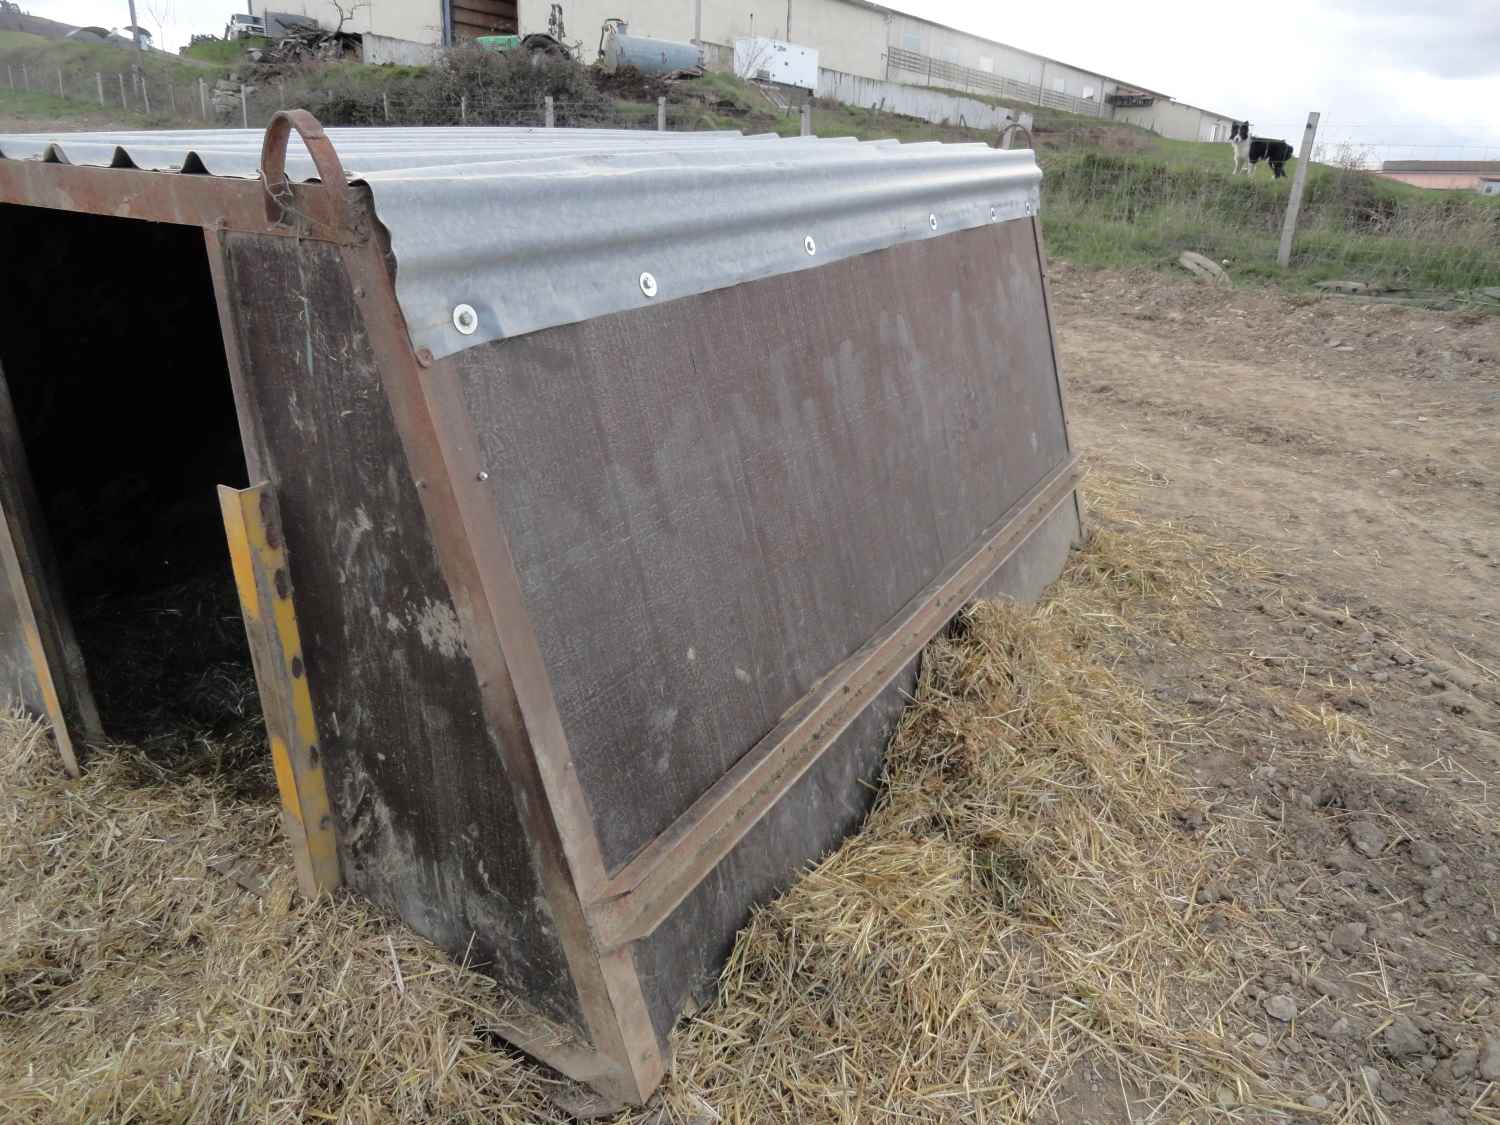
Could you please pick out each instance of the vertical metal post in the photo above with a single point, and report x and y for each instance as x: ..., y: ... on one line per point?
x: 99, y: 81
x: 463, y: 109
x: 661, y: 113
x: 549, y: 112
x: 385, y: 100
x: 807, y: 119
x: 244, y: 107
x: 203, y: 97
x: 124, y: 101
x: 1299, y: 181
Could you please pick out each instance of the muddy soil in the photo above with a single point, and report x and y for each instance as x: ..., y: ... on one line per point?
x: 1353, y: 686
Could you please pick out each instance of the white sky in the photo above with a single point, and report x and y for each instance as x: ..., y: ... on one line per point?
x: 1404, y: 77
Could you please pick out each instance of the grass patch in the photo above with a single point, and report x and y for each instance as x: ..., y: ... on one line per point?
x: 1119, y: 209
x: 223, y: 52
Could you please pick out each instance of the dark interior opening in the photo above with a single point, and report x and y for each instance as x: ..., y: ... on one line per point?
x: 110, y: 344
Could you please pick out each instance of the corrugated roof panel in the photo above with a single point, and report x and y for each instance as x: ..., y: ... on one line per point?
x: 533, y: 228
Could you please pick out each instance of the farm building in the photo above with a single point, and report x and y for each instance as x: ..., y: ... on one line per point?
x: 855, y: 39
x: 585, y: 562
x: 1449, y: 175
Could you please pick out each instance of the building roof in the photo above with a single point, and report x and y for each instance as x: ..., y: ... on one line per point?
x: 1008, y: 46
x: 1444, y: 167
x: 502, y: 231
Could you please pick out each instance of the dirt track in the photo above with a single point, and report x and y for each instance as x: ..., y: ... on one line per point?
x: 1353, y: 686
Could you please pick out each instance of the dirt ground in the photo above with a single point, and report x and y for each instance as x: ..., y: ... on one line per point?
x: 1352, y: 449
x: 1206, y: 836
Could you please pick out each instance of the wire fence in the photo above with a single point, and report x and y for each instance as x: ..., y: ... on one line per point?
x: 162, y: 98
x: 1123, y: 198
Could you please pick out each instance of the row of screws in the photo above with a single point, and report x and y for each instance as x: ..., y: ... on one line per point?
x: 466, y: 320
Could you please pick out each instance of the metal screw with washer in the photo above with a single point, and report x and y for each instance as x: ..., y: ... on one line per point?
x: 465, y: 319
x: 648, y: 285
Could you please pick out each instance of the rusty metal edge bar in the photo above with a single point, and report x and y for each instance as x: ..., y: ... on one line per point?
x: 646, y: 891
x: 169, y: 197
x: 1057, y: 371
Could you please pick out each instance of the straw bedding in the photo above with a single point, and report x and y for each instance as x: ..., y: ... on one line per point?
x: 1016, y: 920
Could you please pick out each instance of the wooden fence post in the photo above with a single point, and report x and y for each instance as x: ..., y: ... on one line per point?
x: 60, y: 91
x: 124, y: 101
x: 807, y: 119
x: 549, y: 112
x: 1299, y: 181
x: 99, y: 82
x: 203, y: 97
x: 661, y: 115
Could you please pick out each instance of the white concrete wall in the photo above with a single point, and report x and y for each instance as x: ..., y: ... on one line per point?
x: 1176, y: 120
x: 896, y: 97
x: 416, y: 21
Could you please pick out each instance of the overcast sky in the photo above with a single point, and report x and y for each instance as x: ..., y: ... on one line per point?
x: 1407, y: 77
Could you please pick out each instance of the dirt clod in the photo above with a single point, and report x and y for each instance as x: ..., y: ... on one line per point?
x: 1404, y: 1040
x: 1368, y: 838
x: 1280, y: 1007
x: 1349, y: 937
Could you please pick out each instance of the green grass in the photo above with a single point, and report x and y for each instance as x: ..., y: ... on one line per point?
x: 1116, y: 209
x: 21, y: 39
x: 224, y: 52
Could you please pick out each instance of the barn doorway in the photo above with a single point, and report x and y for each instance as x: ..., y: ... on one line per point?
x: 111, y: 350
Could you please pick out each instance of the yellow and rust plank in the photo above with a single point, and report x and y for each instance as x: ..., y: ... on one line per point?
x: 258, y: 555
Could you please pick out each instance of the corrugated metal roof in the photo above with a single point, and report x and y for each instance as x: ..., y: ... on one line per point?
x: 534, y: 228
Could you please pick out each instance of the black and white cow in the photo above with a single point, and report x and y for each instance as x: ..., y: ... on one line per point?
x: 1250, y: 151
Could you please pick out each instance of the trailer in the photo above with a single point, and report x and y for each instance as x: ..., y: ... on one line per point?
x: 587, y: 497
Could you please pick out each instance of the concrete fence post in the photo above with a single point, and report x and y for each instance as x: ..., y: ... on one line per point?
x: 60, y: 91
x: 661, y: 115
x: 807, y: 119
x: 281, y: 97
x: 463, y: 109
x: 172, y: 97
x: 25, y: 78
x: 385, y: 101
x: 145, y: 97
x: 99, y: 82
x: 549, y: 112
x: 1299, y: 182
x: 124, y: 101
x: 244, y: 106
x: 203, y: 97
x: 10, y: 76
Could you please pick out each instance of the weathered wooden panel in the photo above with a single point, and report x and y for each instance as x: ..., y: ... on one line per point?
x: 680, y: 962
x: 714, y: 501
x: 426, y: 822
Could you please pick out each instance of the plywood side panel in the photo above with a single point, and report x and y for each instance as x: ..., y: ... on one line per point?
x: 713, y: 501
x: 426, y: 822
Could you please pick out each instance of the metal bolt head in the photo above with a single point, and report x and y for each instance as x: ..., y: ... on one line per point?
x: 932, y: 221
x: 648, y: 285
x: 994, y: 214
x: 481, y: 475
x: 465, y: 319
x: 809, y: 245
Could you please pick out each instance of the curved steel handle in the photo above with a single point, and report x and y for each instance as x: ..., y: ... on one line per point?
x: 273, y: 163
x: 1006, y: 132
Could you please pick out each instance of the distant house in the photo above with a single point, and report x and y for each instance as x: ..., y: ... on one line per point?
x: 1482, y: 176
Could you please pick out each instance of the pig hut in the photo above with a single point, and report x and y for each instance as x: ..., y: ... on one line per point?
x: 589, y: 497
